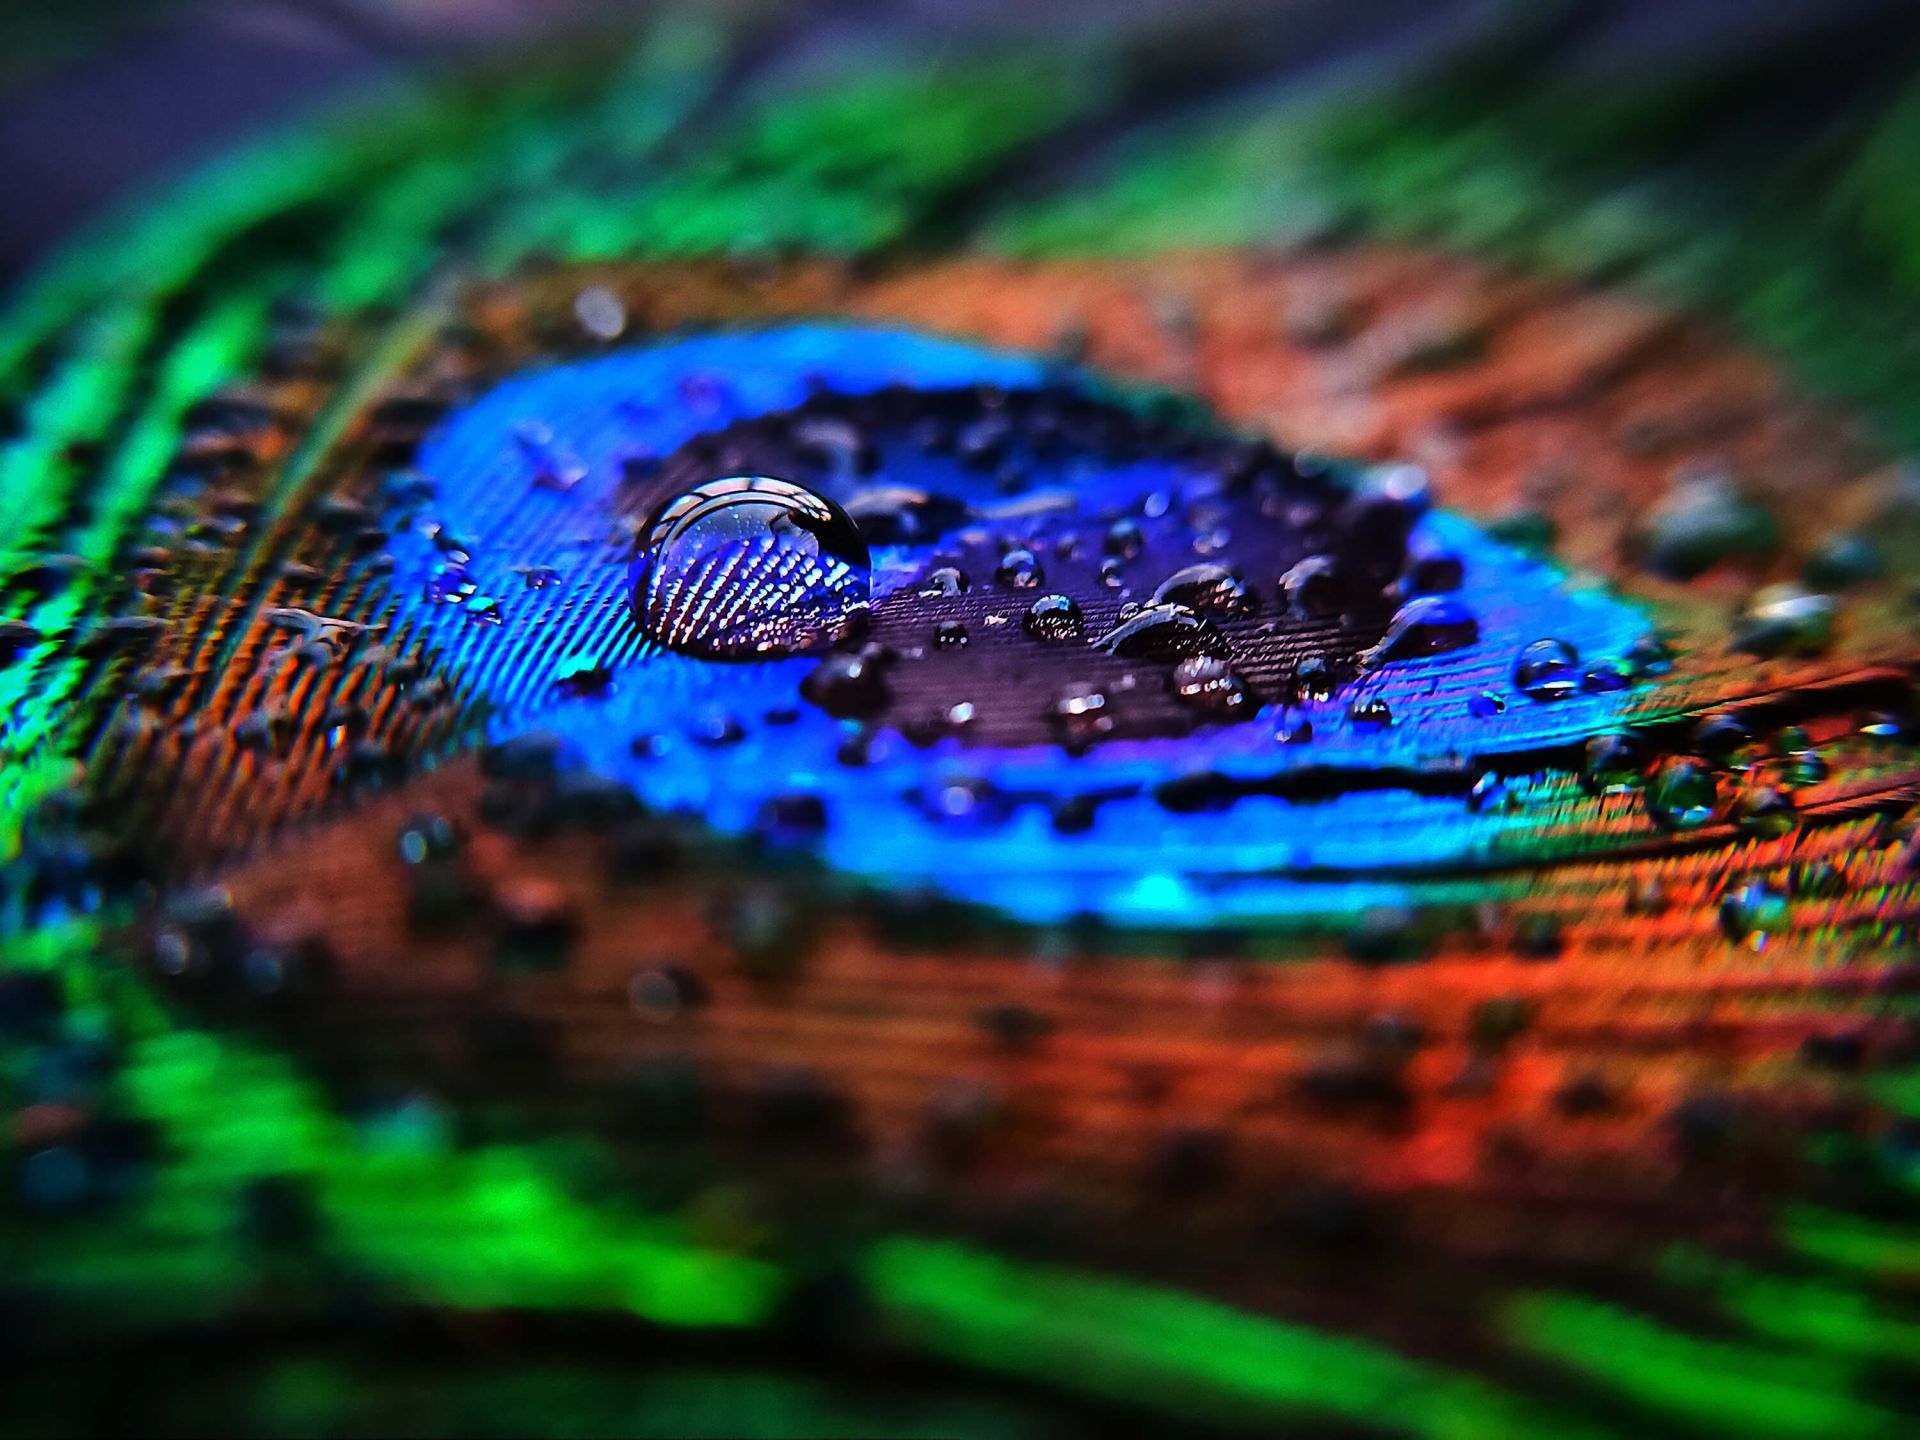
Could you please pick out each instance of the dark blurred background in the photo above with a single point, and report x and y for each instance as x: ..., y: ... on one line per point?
x: 98, y: 97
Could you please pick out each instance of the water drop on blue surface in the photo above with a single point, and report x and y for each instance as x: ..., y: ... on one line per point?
x: 1427, y: 625
x: 1547, y: 670
x: 1370, y: 714
x: 750, y: 567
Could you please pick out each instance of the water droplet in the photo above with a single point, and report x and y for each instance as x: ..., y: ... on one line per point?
x: 1784, y: 620
x: 1125, y: 540
x: 1370, y: 714
x: 1205, y: 587
x: 1312, y: 588
x: 950, y: 635
x: 1486, y: 705
x: 749, y: 567
x: 902, y: 515
x: 1432, y: 572
x: 1020, y: 569
x: 943, y: 582
x: 1702, y: 522
x: 1612, y: 763
x: 1681, y: 793
x: 1547, y: 670
x: 1489, y: 792
x: 966, y: 800
x: 1313, y: 680
x: 1723, y: 736
x: 1649, y: 655
x: 1164, y: 632
x: 1764, y: 812
x: 1607, y: 677
x: 1426, y: 625
x: 1053, y: 618
x: 847, y: 687
x: 715, y: 728
x: 1112, y: 573
x: 1843, y: 560
x: 1209, y: 684
x: 1081, y: 715
x: 1753, y: 913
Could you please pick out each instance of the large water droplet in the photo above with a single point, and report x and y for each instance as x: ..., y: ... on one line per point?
x: 749, y: 567
x: 1427, y: 625
x: 1205, y: 587
x: 1164, y: 632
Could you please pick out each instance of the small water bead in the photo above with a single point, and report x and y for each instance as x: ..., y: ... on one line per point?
x: 1764, y: 812
x: 1112, y: 573
x: 1370, y: 714
x: 750, y: 567
x: 1681, y: 793
x: 1164, y: 632
x: 847, y: 687
x: 1207, y: 588
x: 1313, y: 680
x: 1125, y: 540
x: 1020, y: 569
x: 1082, y: 715
x: 1723, y: 736
x: 1489, y: 792
x: 1427, y: 625
x: 943, y: 582
x: 1649, y: 656
x: 969, y: 801
x: 1754, y: 912
x: 950, y: 635
x: 1209, y: 684
x: 1486, y: 705
x: 1053, y: 618
x: 715, y: 728
x: 1547, y: 670
x: 1607, y: 677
